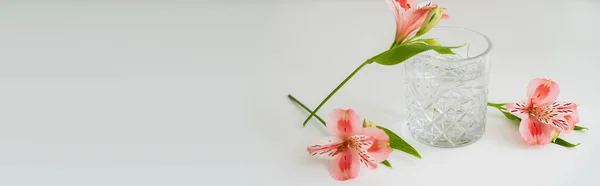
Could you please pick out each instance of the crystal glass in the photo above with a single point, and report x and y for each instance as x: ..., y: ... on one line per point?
x: 447, y: 94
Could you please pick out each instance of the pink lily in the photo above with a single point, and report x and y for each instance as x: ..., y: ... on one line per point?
x: 541, y: 114
x: 351, y: 145
x: 409, y: 17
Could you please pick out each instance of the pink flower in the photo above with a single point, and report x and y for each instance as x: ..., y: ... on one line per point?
x: 351, y: 145
x: 409, y: 17
x: 541, y: 114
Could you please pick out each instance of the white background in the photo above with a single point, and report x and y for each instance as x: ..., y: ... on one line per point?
x: 194, y: 93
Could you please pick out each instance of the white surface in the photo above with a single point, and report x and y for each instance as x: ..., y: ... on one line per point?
x: 181, y: 93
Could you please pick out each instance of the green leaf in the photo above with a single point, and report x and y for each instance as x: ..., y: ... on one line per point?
x: 434, y: 42
x: 386, y: 163
x: 396, y: 142
x: 506, y: 114
x: 401, y: 53
x: 580, y: 128
x: 511, y: 116
x: 562, y: 142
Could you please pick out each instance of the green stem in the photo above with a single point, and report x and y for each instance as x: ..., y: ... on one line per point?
x: 393, y: 44
x: 410, y: 39
x: 497, y: 105
x: 305, y: 108
x: 336, y: 89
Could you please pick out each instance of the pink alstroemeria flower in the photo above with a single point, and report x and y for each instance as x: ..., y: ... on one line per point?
x: 351, y: 145
x: 409, y: 17
x: 541, y: 114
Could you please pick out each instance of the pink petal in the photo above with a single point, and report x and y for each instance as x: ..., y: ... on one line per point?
x: 554, y: 114
x: 559, y: 123
x: 518, y: 109
x: 534, y: 132
x: 380, y: 150
x: 542, y: 91
x: 360, y: 145
x: 564, y: 107
x: 411, y: 21
x: 406, y: 4
x: 445, y: 16
x: 345, y: 166
x: 546, y: 136
x: 395, y: 7
x: 344, y: 123
x: 525, y: 132
x: 572, y: 119
x: 425, y: 4
x: 327, y: 148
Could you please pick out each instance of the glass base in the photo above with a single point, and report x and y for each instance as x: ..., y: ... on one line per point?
x: 444, y: 142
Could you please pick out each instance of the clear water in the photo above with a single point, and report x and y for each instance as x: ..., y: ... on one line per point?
x: 446, y: 100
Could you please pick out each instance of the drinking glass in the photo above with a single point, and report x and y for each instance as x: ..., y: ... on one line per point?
x: 447, y: 93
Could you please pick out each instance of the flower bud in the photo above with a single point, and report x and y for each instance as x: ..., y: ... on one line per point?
x: 367, y: 123
x: 433, y: 17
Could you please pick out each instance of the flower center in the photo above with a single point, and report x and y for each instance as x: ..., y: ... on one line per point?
x: 543, y: 114
x: 352, y: 142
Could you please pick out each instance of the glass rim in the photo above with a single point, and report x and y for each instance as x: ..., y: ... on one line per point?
x: 487, y: 40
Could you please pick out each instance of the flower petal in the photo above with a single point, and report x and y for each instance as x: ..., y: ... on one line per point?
x: 425, y: 4
x: 546, y: 134
x: 394, y: 7
x: 360, y: 144
x: 327, y: 148
x: 518, y: 109
x: 445, y: 16
x: 555, y: 115
x: 542, y: 91
x: 572, y: 116
x: 344, y: 166
x: 559, y: 123
x: 525, y: 131
x: 534, y: 132
x: 411, y: 21
x: 564, y: 107
x: 572, y: 119
x: 380, y: 150
x: 407, y: 4
x: 344, y: 123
